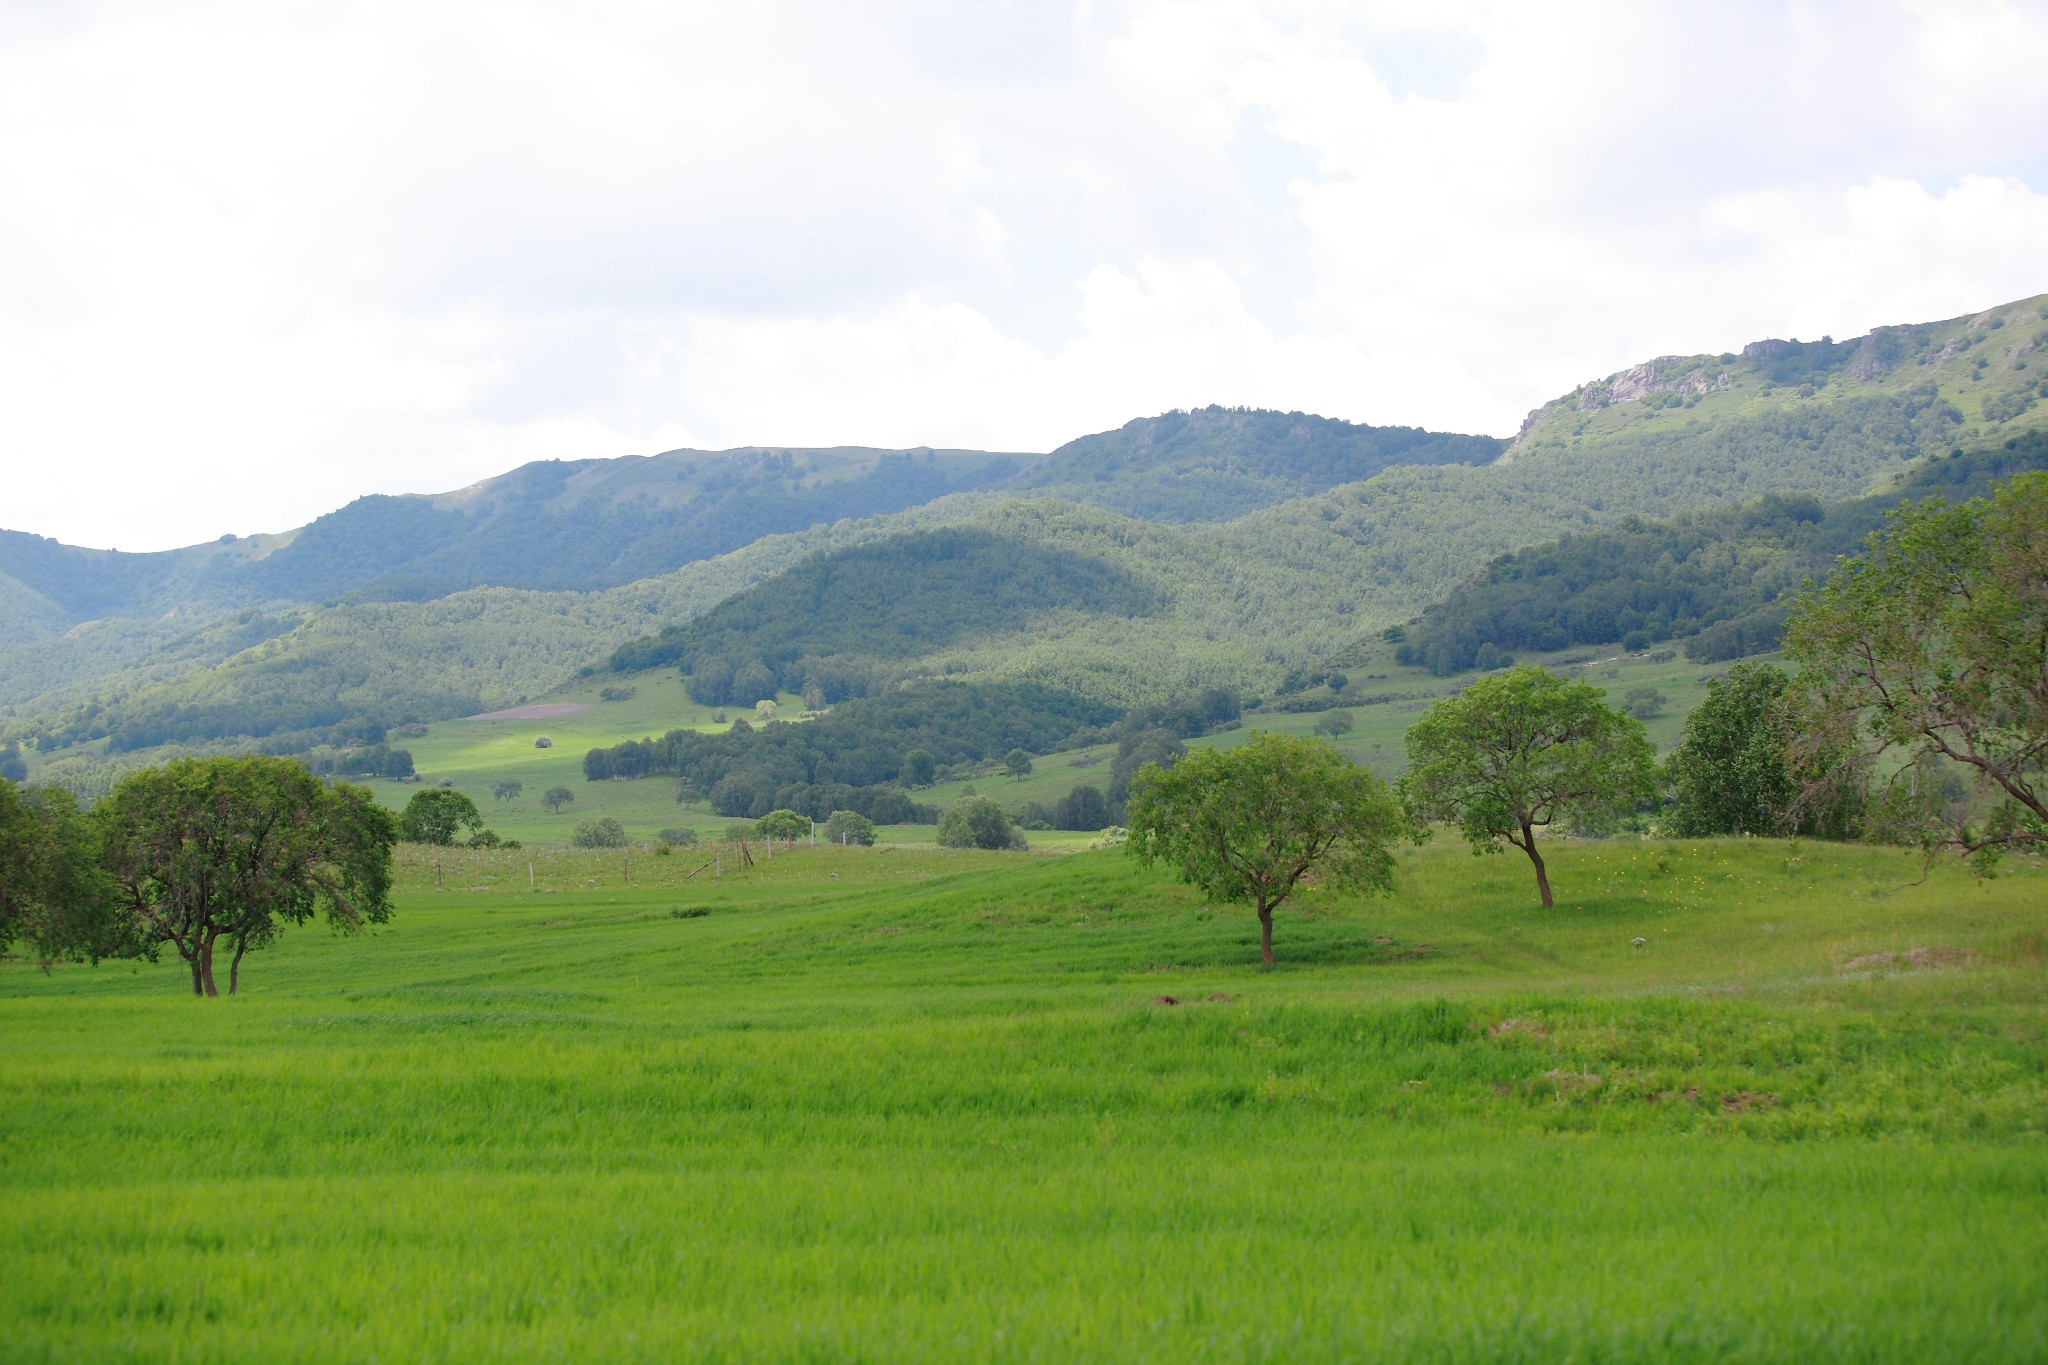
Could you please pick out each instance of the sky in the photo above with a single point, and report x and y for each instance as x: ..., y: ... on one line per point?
x: 259, y: 259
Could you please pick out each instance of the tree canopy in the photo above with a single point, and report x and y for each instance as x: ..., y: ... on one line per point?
x: 1735, y: 771
x: 1247, y: 824
x: 1934, y: 645
x: 978, y: 822
x: 53, y: 896
x: 1520, y: 750
x: 438, y: 816
x: 204, y: 849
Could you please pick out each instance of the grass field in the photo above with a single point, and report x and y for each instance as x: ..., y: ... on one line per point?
x: 477, y: 754
x: 907, y: 1104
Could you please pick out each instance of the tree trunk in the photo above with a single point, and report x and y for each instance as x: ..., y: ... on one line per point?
x: 1266, y: 933
x: 235, y: 967
x: 206, y: 963
x: 198, y: 976
x: 1542, y: 876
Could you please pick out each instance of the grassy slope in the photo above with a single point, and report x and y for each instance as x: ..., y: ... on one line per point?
x: 910, y: 1105
x: 478, y: 754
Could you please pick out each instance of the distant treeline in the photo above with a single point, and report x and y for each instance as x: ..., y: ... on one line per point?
x: 862, y: 754
x: 1714, y: 579
x: 831, y: 626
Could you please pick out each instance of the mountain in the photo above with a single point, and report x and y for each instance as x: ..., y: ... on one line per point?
x: 1139, y: 587
x: 1716, y: 579
x: 554, y: 524
x: 1215, y: 464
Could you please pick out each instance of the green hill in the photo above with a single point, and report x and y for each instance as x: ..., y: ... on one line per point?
x: 1714, y: 579
x: 1214, y: 464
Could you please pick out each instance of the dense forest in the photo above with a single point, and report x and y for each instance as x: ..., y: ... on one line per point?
x: 1715, y: 579
x: 830, y: 627
x: 860, y: 755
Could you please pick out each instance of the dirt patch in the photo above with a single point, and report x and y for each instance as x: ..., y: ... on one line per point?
x: 1166, y: 1000
x: 1219, y: 998
x: 1941, y: 955
x: 1744, y: 1101
x: 1508, y: 1028
x: 540, y: 710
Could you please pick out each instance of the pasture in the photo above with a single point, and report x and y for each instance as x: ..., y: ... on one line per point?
x: 905, y: 1104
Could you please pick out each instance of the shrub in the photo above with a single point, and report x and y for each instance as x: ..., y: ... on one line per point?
x: 978, y: 822
x: 603, y: 832
x: 847, y: 827
x: 677, y: 838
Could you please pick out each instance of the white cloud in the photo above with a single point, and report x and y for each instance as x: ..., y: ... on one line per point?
x: 255, y: 260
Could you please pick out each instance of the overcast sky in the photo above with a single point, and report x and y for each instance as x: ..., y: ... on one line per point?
x: 257, y: 259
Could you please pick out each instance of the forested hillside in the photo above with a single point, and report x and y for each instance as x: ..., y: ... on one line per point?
x: 1122, y: 609
x: 1715, y: 579
x: 1214, y: 463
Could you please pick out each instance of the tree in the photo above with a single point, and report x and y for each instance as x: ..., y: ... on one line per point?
x: 53, y: 895
x: 978, y: 822
x: 1160, y: 747
x: 554, y: 798
x: 1735, y: 772
x: 436, y: 816
x: 764, y: 710
x: 1017, y: 764
x: 1934, y: 643
x: 603, y: 832
x: 13, y: 767
x: 919, y: 768
x: 1334, y: 723
x: 1644, y: 703
x: 782, y: 824
x: 849, y: 827
x: 1083, y: 808
x: 1248, y: 824
x: 508, y: 790
x: 204, y: 849
x: 1520, y: 750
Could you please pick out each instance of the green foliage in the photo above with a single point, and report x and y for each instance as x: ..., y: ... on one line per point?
x: 1245, y: 825
x: 1519, y: 751
x: 783, y: 824
x: 507, y: 789
x: 1715, y: 576
x: 838, y: 621
x: 204, y: 849
x: 1935, y: 644
x: 918, y: 769
x: 1017, y: 764
x: 850, y: 828
x: 603, y: 832
x: 978, y: 822
x: 436, y: 816
x: 1737, y: 772
x: 554, y: 798
x: 1214, y: 464
x: 855, y: 755
x: 1157, y: 747
x: 1334, y: 724
x: 678, y: 838
x: 1644, y: 703
x: 53, y: 896
x: 1083, y: 808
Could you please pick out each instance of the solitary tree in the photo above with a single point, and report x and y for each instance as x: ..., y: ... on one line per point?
x: 437, y: 816
x: 782, y: 824
x: 1334, y: 723
x: 1934, y: 643
x: 850, y: 827
x: 1520, y: 750
x: 554, y: 798
x: 978, y: 822
x: 508, y: 790
x: 205, y: 849
x: 1017, y: 764
x: 1248, y: 824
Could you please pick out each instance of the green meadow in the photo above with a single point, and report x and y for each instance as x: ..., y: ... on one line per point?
x: 476, y: 754
x: 909, y: 1104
